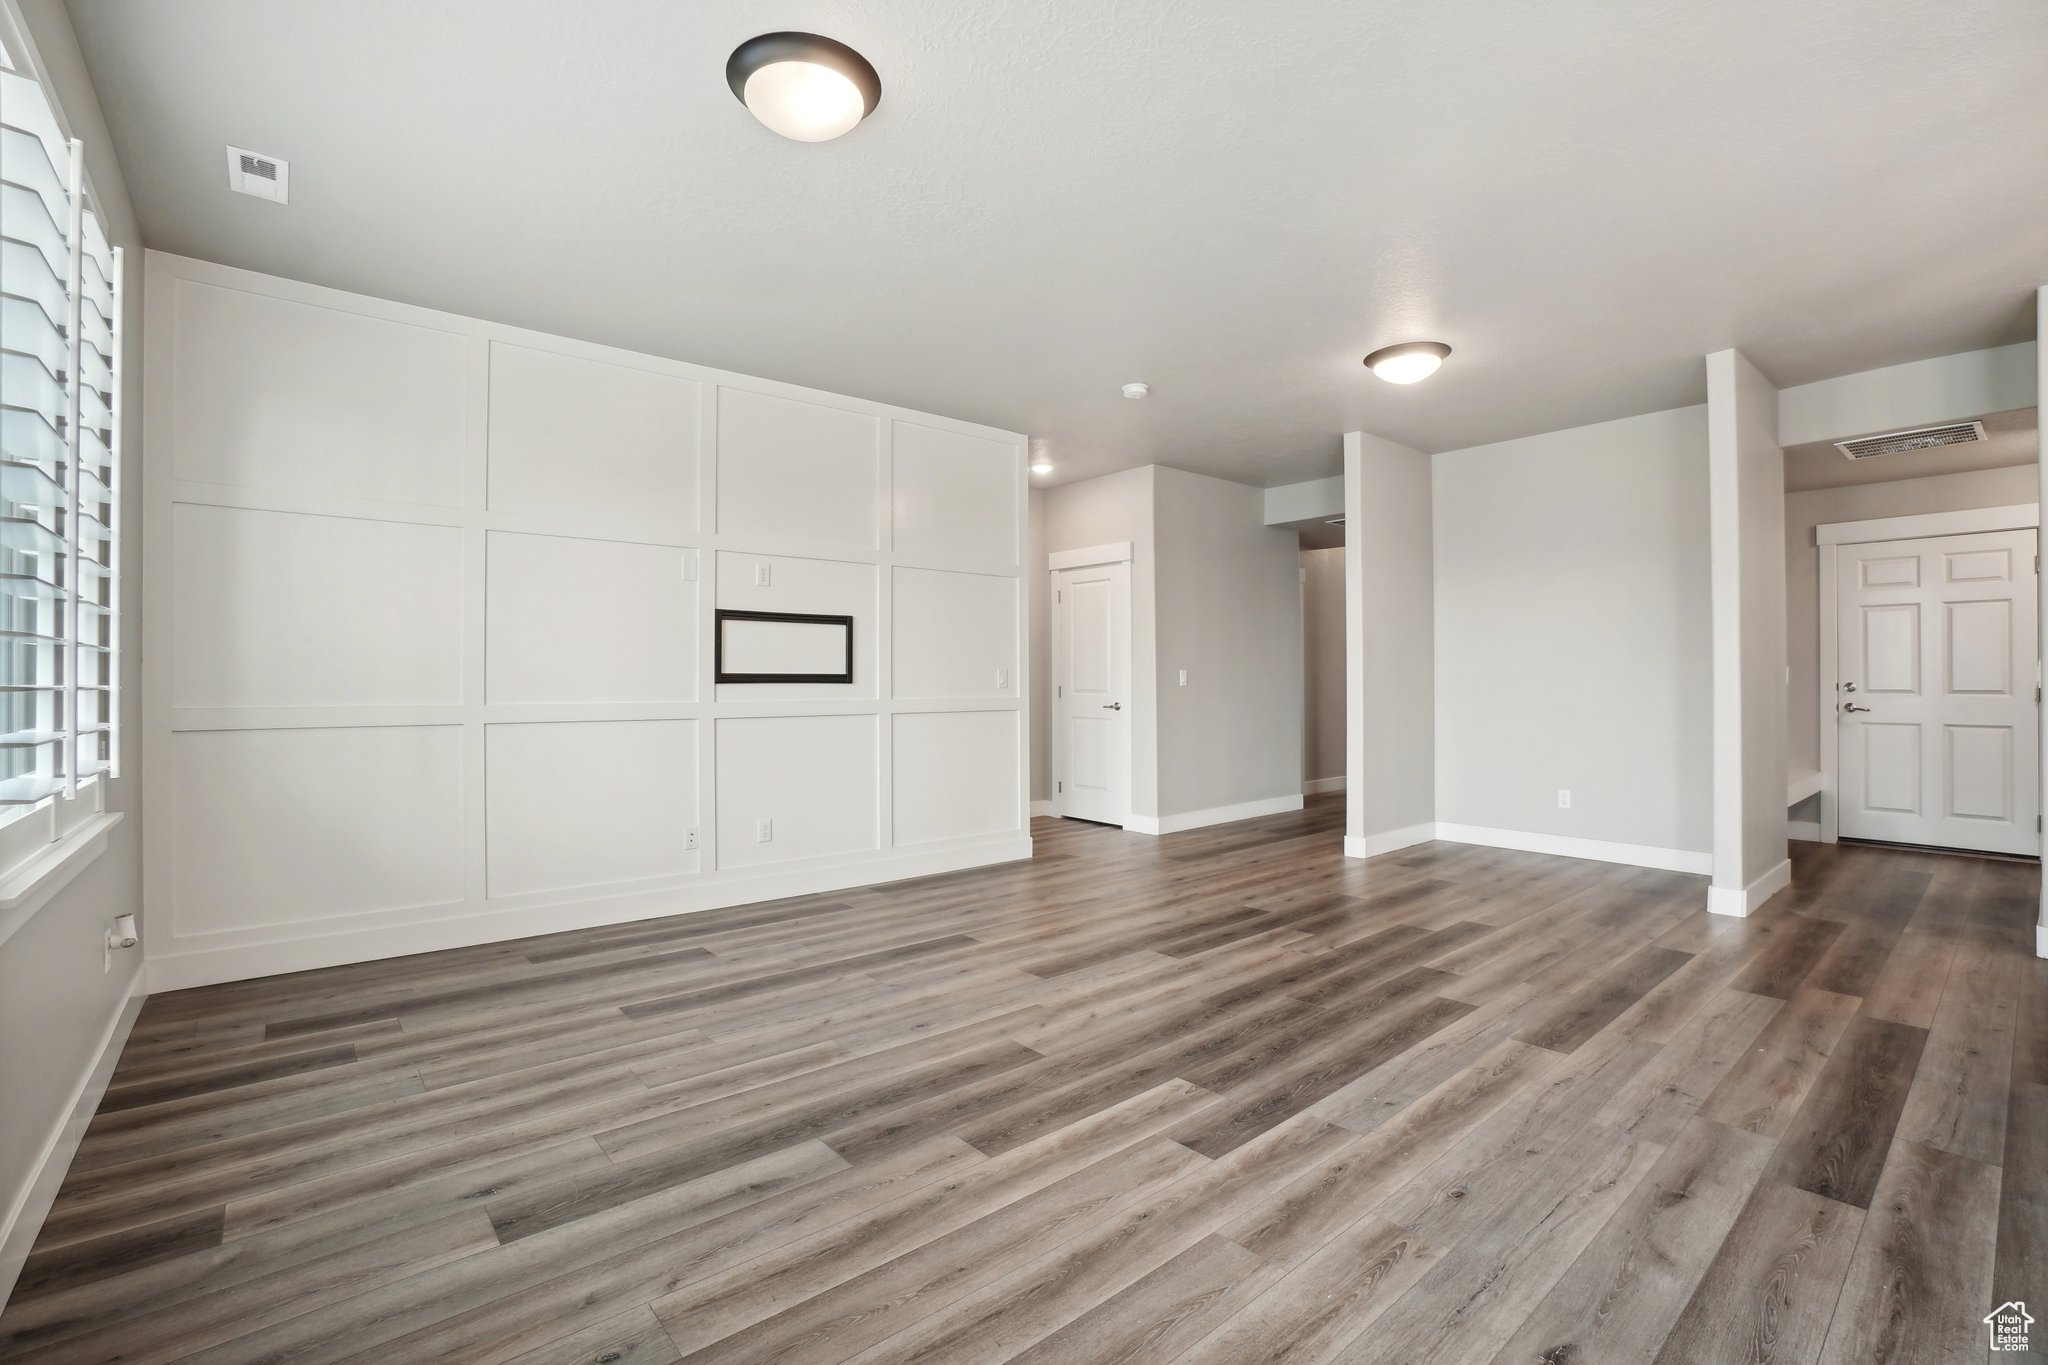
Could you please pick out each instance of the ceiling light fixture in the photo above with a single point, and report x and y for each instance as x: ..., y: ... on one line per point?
x: 1408, y: 362
x: 1041, y: 466
x: 807, y: 88
x: 1136, y: 390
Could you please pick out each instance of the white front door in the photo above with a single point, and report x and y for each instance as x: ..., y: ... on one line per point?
x: 1092, y: 691
x: 1936, y: 703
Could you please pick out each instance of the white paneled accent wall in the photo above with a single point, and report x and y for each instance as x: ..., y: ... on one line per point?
x: 433, y: 616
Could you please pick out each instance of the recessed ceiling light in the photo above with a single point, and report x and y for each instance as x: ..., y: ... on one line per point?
x: 1136, y: 390
x: 1041, y: 466
x: 807, y: 88
x: 1408, y: 362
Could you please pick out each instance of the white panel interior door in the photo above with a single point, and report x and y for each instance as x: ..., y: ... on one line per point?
x: 1092, y: 691
x: 1936, y: 650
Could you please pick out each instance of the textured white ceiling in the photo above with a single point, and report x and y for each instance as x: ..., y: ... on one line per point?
x: 1232, y: 201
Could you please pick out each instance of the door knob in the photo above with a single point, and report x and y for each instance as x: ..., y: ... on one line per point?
x: 1112, y: 706
x: 1852, y: 706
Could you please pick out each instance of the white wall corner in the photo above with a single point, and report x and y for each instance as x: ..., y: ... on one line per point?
x: 1746, y: 501
x: 1316, y: 786
x: 30, y: 1205
x: 1391, y: 841
x: 1740, y: 901
x: 1043, y: 808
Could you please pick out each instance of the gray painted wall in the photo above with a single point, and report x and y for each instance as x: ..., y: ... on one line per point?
x: 1390, y: 637
x: 1229, y: 612
x: 1573, y: 633
x: 56, y: 1003
x: 1322, y: 676
x: 1860, y: 502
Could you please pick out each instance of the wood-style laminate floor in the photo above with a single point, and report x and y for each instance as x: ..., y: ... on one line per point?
x: 1219, y: 1097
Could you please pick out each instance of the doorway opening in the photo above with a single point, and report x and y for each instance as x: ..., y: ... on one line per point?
x: 1091, y: 677
x: 1914, y: 660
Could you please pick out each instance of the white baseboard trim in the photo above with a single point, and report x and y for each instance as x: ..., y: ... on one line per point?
x: 202, y: 966
x: 31, y: 1204
x: 1316, y: 786
x: 1598, y: 850
x: 1741, y: 900
x: 1806, y: 831
x: 1215, y: 815
x: 1039, y: 808
x: 1373, y: 845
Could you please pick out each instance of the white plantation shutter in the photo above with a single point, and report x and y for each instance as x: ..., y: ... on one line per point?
x: 60, y: 310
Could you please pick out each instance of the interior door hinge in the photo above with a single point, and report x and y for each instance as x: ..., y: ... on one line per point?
x: 1059, y: 787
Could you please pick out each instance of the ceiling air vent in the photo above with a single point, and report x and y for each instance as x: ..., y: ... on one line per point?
x: 266, y: 177
x: 1920, y: 438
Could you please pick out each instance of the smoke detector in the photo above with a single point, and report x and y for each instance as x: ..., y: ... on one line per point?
x: 264, y: 177
x: 1919, y: 438
x: 1136, y: 390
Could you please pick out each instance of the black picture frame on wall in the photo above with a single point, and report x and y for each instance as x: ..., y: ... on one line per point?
x: 843, y: 623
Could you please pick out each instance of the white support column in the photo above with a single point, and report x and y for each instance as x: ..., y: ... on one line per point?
x: 1746, y: 493
x: 1389, y: 648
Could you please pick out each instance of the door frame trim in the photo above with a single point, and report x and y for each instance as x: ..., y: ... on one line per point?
x: 1118, y: 552
x: 1830, y: 538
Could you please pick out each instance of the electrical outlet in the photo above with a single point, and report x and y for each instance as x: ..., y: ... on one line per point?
x: 764, y: 831
x: 690, y: 838
x: 761, y: 575
x: 1183, y: 677
x: 1564, y: 799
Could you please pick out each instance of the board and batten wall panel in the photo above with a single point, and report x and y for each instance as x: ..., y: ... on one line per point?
x: 828, y: 587
x: 635, y: 786
x: 288, y: 610
x: 635, y: 435
x: 272, y: 393
x: 955, y: 634
x: 790, y: 470
x: 955, y: 499
x: 539, y: 644
x: 295, y: 828
x: 436, y: 596
x: 955, y: 771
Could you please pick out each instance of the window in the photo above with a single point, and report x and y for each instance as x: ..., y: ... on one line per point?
x: 60, y: 391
